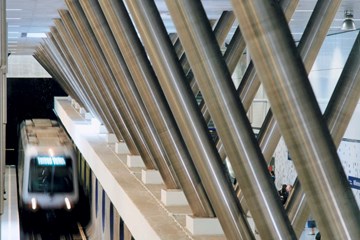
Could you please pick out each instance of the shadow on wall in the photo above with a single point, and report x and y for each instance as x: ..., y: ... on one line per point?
x: 28, y: 98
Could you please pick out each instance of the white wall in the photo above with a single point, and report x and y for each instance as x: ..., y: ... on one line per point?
x: 25, y: 66
x: 323, y: 77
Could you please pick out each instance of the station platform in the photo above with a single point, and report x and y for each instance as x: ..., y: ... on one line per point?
x: 9, y: 220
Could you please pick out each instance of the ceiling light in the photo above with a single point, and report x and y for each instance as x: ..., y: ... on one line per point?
x: 36, y: 35
x: 348, y: 23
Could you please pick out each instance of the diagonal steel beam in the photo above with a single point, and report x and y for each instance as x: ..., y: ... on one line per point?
x: 248, y: 86
x: 92, y: 32
x: 53, y: 70
x: 57, y: 47
x: 52, y: 52
x: 135, y: 134
x: 188, y: 117
x: 310, y: 42
x: 230, y: 118
x: 87, y: 75
x: 337, y: 115
x: 145, y: 79
x: 222, y: 28
x: 299, y: 117
x: 62, y: 69
x: 106, y: 83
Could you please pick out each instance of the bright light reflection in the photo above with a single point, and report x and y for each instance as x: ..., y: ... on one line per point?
x: 51, y: 152
x: 33, y: 203
x: 67, y: 203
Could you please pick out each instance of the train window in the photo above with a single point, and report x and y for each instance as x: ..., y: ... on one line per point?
x: 51, y: 175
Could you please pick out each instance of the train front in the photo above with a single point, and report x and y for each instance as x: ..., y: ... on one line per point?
x: 52, y: 181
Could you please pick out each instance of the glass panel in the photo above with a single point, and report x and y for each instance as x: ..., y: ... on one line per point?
x: 53, y: 175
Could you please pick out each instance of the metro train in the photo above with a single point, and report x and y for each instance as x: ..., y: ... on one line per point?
x: 46, y: 168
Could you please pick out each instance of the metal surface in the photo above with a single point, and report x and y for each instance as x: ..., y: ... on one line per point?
x: 155, y: 102
x: 250, y: 83
x: 78, y: 79
x: 299, y: 118
x: 47, y: 63
x: 230, y: 118
x: 104, y: 81
x: 221, y: 30
x: 308, y: 47
x: 189, y: 119
x: 311, y: 42
x: 80, y: 21
x: 337, y: 115
x: 96, y: 18
x: 54, y: 52
x: 87, y: 78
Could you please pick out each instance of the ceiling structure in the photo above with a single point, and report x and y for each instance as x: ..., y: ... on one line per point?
x: 29, y: 20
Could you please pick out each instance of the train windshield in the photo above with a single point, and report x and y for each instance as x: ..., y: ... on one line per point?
x: 51, y: 174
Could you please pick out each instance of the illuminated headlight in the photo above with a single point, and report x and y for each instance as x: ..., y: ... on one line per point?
x: 67, y: 203
x: 33, y: 203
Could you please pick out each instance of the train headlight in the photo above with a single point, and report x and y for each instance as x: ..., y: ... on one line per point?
x: 67, y: 203
x: 33, y: 203
x: 51, y: 152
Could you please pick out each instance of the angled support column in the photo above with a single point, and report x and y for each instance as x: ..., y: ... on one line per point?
x: 221, y: 29
x: 83, y: 64
x: 248, y: 86
x: 105, y: 82
x: 117, y: 92
x: 118, y: 66
x: 337, y: 115
x: 310, y: 42
x: 55, y: 49
x: 49, y: 66
x: 188, y: 117
x: 230, y: 118
x: 308, y: 48
x: 299, y: 117
x: 145, y: 79
x: 51, y: 52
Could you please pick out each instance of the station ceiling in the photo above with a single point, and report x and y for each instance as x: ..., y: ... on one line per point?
x: 29, y: 20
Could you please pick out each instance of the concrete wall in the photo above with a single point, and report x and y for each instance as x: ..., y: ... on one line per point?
x: 25, y: 66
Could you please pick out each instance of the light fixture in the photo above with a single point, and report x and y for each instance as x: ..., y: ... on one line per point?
x: 348, y: 23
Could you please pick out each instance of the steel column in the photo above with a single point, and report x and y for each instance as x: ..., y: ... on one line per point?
x: 221, y: 31
x: 230, y: 118
x: 107, y: 85
x: 59, y: 62
x: 52, y: 46
x: 337, y: 115
x: 299, y: 117
x: 83, y: 65
x: 248, y: 86
x: 192, y: 126
x: 154, y: 99
x: 127, y: 87
x: 47, y: 64
x: 311, y: 41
